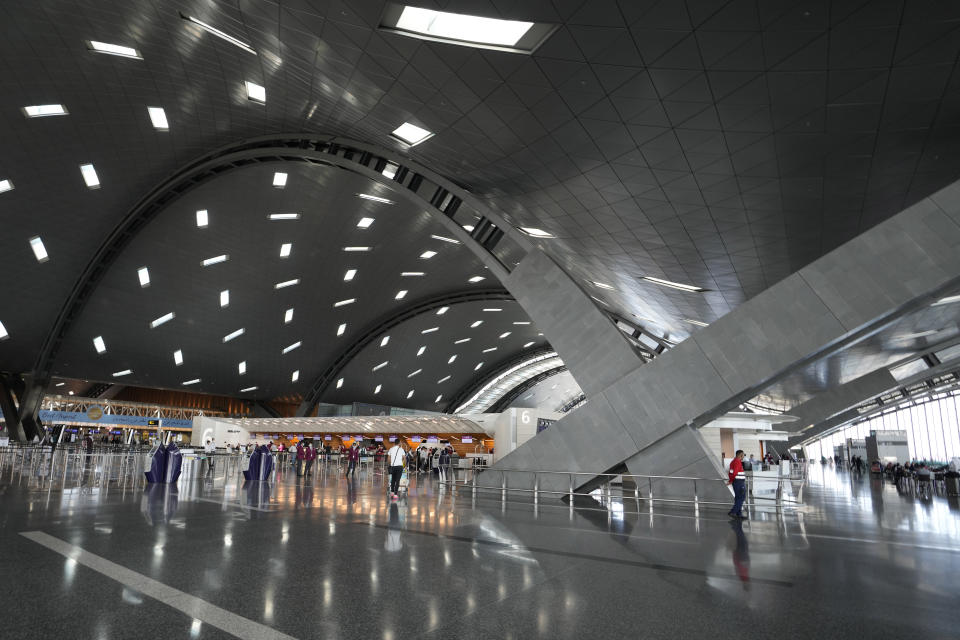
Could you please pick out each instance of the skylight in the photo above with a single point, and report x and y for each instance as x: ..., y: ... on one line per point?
x: 365, y: 223
x: 295, y: 345
x: 4, y: 335
x: 144, y: 275
x: 356, y: 249
x: 426, y: 255
x: 235, y: 334
x: 99, y: 344
x: 381, y: 365
x: 39, y: 251
x: 284, y: 216
x: 385, y: 341
x: 452, y: 359
x: 43, y: 110
x: 413, y: 373
x: 216, y: 260
x: 220, y: 34
x: 242, y: 367
x: 246, y: 390
x: 295, y: 376
x: 367, y: 196
x: 430, y: 330
x: 377, y: 389
x: 457, y: 28
x: 421, y: 350
x: 190, y: 382
x: 5, y: 185
x: 349, y: 275
x: 444, y: 379
x: 442, y: 310
x: 475, y: 279
x: 536, y: 233
x: 490, y: 349
x: 412, y: 274
x: 120, y: 374
x: 288, y: 316
x: 492, y: 309
x: 224, y: 297
x: 400, y: 294
x: 476, y: 324
x: 343, y: 303
x: 410, y: 394
x: 445, y: 239
x: 159, y: 118
x: 279, y: 179
x: 341, y: 329
x: 947, y: 300
x: 504, y: 335
x: 674, y: 285
x: 90, y: 177
x: 285, y: 249
x: 178, y: 357
x: 339, y: 383
x: 287, y: 283
x: 461, y: 341
x: 411, y: 134
x: 164, y: 319
x: 255, y: 92
x: 390, y: 171
x: 202, y: 218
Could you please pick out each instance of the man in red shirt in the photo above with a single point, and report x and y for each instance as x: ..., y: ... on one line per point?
x: 739, y: 482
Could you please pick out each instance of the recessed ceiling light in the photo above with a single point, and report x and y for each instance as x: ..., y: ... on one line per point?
x: 287, y: 283
x: 390, y: 170
x: 165, y: 318
x: 444, y: 379
x: 947, y: 300
x: 288, y: 316
x: 421, y: 350
x: 504, y: 335
x: 439, y: 398
x: 381, y: 365
x: 43, y: 110
x: 475, y: 279
x: 284, y: 216
x: 445, y: 239
x: 412, y: 274
x: 6, y: 185
x: 215, y: 260
x: 529, y: 344
x: 601, y: 285
x: 442, y: 310
x: 349, y: 275
x: 248, y: 389
x: 674, y: 285
x: 400, y: 294
x: 279, y: 179
x: 144, y: 275
x: 365, y: 223
x: 696, y: 322
x: 99, y: 344
x: 295, y: 345
x: 468, y: 227
x: 120, y: 374
x: 158, y: 117
x: 465, y: 30
x: 411, y: 134
x: 461, y: 341
x: 235, y: 334
x: 255, y: 92
x: 476, y: 324
x: 285, y: 249
x: 410, y: 375
x: 477, y: 368
x: 493, y: 309
x: 220, y: 34
x: 385, y: 341
x: 490, y: 349
x: 224, y: 297
x: 90, y: 177
x: 39, y: 251
x: 430, y: 330
x: 410, y: 394
x: 60, y: 384
x: 377, y: 389
x: 426, y: 255
x: 367, y: 196
x: 339, y: 383
x: 178, y: 357
x: 357, y: 249
x: 242, y: 367
x: 70, y: 392
x: 189, y: 382
x: 344, y: 302
x: 341, y: 329
x: 202, y: 218
x: 452, y: 359
x: 536, y: 233
x: 295, y: 376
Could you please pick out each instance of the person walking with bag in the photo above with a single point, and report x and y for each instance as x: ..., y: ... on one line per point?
x: 739, y: 481
x: 396, y: 458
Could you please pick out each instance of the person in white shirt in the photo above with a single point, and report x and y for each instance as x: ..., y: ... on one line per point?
x: 209, y: 449
x: 396, y: 459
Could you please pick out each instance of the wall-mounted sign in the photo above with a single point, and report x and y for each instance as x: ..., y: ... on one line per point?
x: 328, y: 437
x: 378, y: 439
x: 432, y: 439
x: 466, y: 439
x: 414, y: 438
x: 152, y: 422
x: 54, y: 417
x: 393, y: 438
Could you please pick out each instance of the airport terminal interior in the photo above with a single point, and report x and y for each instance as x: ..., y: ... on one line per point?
x: 479, y: 319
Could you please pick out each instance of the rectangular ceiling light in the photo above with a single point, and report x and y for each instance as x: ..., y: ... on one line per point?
x: 225, y: 297
x: 411, y: 134
x: 696, y: 322
x: 504, y: 334
x: 114, y: 49
x: 430, y: 330
x: 426, y: 255
x: 295, y: 345
x: 367, y: 196
x: 410, y: 394
x: 421, y: 350
x: 947, y: 300
x: 356, y: 249
x: 39, y: 251
x: 475, y: 279
x: 43, y: 110
x: 144, y: 275
x: 287, y: 283
x: 90, y: 177
x: 521, y: 323
x: 242, y: 367
x: 190, y: 382
x: 235, y: 334
x: 284, y: 216
x: 536, y: 233
x: 602, y: 285
x: 490, y: 349
x: 339, y: 383
x: 247, y: 390
x: 492, y: 309
x: 202, y: 218
x: 4, y: 335
x: 255, y: 93
x: 452, y: 359
x: 410, y: 375
x: 461, y: 341
x: 5, y: 185
x: 344, y: 303
x: 529, y: 344
x: 288, y: 316
x: 444, y: 379
x: 215, y: 260
x: 220, y: 34
x: 178, y: 357
x: 295, y: 376
x: 476, y: 324
x: 674, y: 285
x: 120, y: 374
x: 442, y: 310
x: 377, y: 389
x: 349, y: 275
x: 164, y: 319
x: 385, y: 341
x: 439, y: 398
x: 159, y: 118
x: 412, y: 274
x: 466, y: 30
x: 341, y: 329
x: 400, y: 294
x: 285, y: 249
x: 445, y: 239
x: 279, y: 179
x: 477, y: 368
x: 99, y: 344
x: 381, y: 365
x: 365, y: 223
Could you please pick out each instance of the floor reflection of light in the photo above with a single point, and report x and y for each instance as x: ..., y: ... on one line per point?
x: 471, y: 603
x: 268, y: 605
x: 327, y: 592
x: 542, y: 620
x: 69, y: 571
x: 228, y: 540
x: 195, y: 628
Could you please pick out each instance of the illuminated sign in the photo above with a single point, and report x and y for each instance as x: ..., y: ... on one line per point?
x: 467, y: 439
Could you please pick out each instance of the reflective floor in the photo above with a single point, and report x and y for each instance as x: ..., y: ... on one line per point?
x: 327, y: 557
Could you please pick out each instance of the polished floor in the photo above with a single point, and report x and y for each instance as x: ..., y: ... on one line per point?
x: 327, y: 557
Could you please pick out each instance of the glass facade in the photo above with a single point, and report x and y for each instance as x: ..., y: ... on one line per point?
x: 932, y: 426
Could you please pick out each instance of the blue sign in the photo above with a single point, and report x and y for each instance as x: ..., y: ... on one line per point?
x: 467, y: 439
x: 328, y: 437
x: 96, y: 415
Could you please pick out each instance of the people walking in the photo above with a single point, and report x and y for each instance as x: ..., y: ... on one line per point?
x: 310, y: 455
x: 353, y: 458
x: 396, y: 458
x: 444, y: 464
x: 301, y: 457
x: 739, y: 481
x: 209, y: 449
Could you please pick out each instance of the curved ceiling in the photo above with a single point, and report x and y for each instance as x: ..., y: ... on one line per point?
x: 710, y: 143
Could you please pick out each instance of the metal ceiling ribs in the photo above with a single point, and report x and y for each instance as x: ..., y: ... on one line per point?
x: 478, y: 383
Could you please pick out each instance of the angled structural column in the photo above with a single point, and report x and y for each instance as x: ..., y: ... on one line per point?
x: 644, y: 419
x: 20, y: 400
